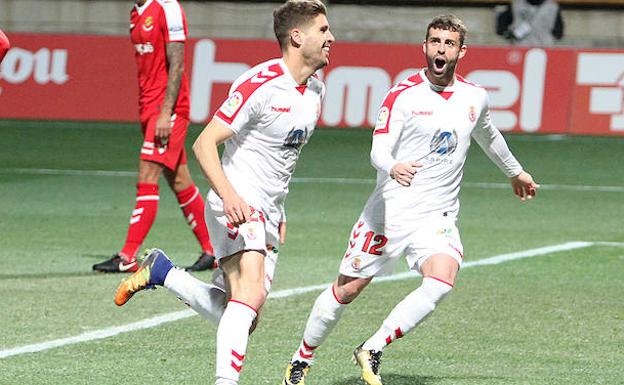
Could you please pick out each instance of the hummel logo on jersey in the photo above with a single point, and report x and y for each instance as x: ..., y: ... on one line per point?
x: 263, y: 76
x: 280, y: 109
x: 126, y: 266
x: 296, y: 138
x: 418, y: 113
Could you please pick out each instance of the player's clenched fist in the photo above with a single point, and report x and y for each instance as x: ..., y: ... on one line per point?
x: 524, y: 186
x: 403, y: 173
x: 236, y: 209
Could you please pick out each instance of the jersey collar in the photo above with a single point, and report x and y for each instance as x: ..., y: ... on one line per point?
x: 143, y: 7
x: 299, y: 87
x: 435, y: 87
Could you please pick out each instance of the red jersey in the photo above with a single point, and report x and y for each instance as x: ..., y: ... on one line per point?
x: 152, y: 26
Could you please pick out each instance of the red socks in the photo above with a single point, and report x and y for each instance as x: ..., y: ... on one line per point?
x: 142, y: 218
x: 192, y: 205
x: 144, y: 213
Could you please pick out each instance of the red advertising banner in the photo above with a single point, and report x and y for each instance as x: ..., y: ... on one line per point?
x: 78, y: 77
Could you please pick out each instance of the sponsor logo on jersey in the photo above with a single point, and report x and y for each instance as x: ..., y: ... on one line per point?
x: 472, y: 115
x: 148, y: 24
x: 443, y: 142
x: 142, y: 49
x: 280, y: 109
x: 382, y: 118
x: 232, y: 104
x: 296, y: 138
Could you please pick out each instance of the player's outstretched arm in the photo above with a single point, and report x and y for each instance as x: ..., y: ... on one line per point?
x: 205, y: 149
x: 524, y: 186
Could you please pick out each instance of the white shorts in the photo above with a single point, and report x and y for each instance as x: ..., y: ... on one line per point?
x: 374, y: 248
x: 258, y: 232
x: 270, y: 261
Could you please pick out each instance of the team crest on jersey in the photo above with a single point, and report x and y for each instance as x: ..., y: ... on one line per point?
x: 443, y: 142
x: 382, y: 118
x: 148, y: 24
x: 232, y: 104
x: 356, y: 264
x: 296, y: 138
x: 472, y: 115
x: 251, y: 234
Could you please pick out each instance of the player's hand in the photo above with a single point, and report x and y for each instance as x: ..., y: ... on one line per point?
x: 524, y: 186
x: 236, y: 209
x: 162, y: 131
x: 282, y: 232
x: 403, y: 173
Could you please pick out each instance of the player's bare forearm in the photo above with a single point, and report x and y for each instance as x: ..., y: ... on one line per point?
x: 205, y: 149
x: 175, y: 60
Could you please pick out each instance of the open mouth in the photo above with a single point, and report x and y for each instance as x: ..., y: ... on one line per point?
x: 439, y: 63
x: 326, y: 50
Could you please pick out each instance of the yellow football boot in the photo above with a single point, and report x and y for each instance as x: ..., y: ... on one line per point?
x: 369, y: 361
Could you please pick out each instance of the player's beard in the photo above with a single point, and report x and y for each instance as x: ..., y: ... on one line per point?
x: 446, y: 75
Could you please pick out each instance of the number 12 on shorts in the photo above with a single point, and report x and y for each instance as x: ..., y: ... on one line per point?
x: 374, y: 249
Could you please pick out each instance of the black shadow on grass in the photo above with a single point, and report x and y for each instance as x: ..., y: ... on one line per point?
x: 400, y: 379
x: 68, y: 274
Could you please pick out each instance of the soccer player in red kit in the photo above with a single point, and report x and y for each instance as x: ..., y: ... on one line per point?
x: 4, y: 45
x: 158, y: 31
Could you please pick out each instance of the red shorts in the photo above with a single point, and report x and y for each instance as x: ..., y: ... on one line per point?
x: 170, y: 155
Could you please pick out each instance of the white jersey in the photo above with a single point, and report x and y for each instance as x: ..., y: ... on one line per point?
x: 272, y: 117
x: 419, y: 121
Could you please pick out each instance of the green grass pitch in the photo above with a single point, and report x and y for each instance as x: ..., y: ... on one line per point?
x: 556, y: 318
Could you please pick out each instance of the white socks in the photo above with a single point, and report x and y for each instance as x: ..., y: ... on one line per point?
x: 232, y: 338
x: 408, y: 313
x: 324, y: 316
x: 206, y: 299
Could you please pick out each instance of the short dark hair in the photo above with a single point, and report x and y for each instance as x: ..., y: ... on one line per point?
x: 293, y: 14
x: 448, y: 23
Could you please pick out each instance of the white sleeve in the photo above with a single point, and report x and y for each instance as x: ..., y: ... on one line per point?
x: 390, y: 121
x: 494, y: 145
x: 174, y: 18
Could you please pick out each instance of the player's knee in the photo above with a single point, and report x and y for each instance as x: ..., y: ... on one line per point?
x: 435, y: 289
x: 345, y: 294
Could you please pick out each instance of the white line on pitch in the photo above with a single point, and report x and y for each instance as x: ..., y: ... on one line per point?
x: 178, y: 315
x: 356, y: 181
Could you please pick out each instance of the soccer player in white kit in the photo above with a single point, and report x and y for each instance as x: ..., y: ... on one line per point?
x: 420, y: 143
x: 269, y: 115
